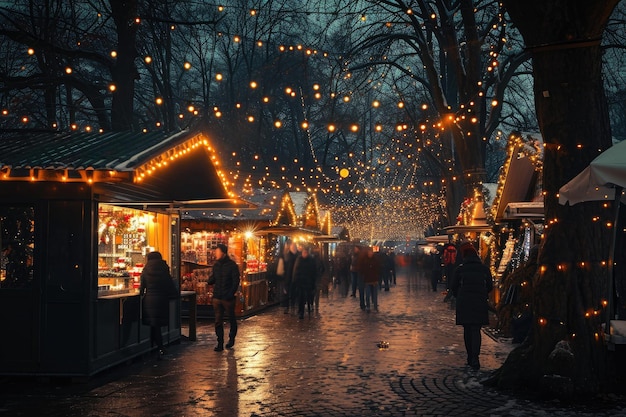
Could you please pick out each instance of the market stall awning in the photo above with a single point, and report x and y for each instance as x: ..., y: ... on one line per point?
x: 599, y: 180
x: 438, y: 239
x: 463, y: 228
x: 524, y: 209
x: 122, y: 167
x: 287, y: 231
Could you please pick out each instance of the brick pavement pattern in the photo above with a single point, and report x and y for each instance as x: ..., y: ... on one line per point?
x: 329, y: 364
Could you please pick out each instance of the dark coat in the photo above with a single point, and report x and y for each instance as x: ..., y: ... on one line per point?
x: 224, y: 278
x: 369, y: 267
x: 157, y: 288
x: 471, y: 285
x: 290, y: 260
x: 305, y: 272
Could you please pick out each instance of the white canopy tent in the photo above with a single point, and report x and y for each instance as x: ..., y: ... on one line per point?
x: 603, y: 179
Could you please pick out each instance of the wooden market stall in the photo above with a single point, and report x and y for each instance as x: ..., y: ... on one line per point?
x: 78, y: 214
x: 237, y: 228
x: 517, y: 210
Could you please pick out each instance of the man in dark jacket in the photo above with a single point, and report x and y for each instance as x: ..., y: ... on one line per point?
x: 471, y: 285
x: 225, y: 280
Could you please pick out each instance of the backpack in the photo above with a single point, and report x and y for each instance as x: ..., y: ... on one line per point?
x: 449, y: 255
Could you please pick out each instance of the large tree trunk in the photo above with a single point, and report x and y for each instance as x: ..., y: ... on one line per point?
x: 570, y: 287
x: 124, y: 71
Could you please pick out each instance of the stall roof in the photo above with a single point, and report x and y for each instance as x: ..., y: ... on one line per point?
x: 156, y: 167
x: 519, y: 172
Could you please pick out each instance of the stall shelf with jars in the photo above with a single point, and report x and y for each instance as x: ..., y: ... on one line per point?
x: 197, y: 258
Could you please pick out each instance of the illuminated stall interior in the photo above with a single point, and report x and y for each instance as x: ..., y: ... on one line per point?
x: 125, y: 237
x: 239, y: 229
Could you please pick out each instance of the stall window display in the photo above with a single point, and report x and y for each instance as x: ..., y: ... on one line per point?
x: 125, y: 237
x: 247, y: 250
x: 17, y: 237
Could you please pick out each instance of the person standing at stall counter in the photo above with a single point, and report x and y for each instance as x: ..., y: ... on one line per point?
x: 156, y: 290
x: 225, y: 280
x: 471, y: 284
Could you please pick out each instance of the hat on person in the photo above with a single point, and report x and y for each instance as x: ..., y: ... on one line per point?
x: 154, y: 255
x: 467, y: 249
x: 221, y: 247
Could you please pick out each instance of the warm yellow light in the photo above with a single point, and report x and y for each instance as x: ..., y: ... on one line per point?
x: 159, y: 101
x: 253, y: 84
x: 112, y: 87
x: 31, y: 51
x: 278, y: 124
x: 148, y: 59
x: 251, y: 119
x: 219, y: 76
x: 68, y: 70
x: 344, y: 173
x: 304, y: 124
x: 331, y: 128
x: 187, y: 65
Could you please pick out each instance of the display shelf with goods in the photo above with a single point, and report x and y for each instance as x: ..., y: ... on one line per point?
x: 247, y: 250
x: 125, y: 237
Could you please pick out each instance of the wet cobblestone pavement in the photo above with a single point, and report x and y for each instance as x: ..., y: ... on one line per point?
x: 329, y: 364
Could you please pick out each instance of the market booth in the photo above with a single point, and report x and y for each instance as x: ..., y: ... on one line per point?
x: 237, y: 228
x: 78, y: 215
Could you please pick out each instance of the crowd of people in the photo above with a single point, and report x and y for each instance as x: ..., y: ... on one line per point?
x: 302, y: 275
x: 362, y: 270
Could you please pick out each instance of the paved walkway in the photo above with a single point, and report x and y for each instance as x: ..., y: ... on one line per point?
x: 329, y: 364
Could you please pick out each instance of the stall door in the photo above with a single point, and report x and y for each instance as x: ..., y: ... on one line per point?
x: 65, y: 318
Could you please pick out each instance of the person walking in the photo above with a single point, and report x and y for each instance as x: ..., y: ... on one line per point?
x: 304, y: 273
x: 450, y: 262
x: 370, y: 270
x: 471, y: 284
x: 225, y: 280
x: 342, y: 271
x: 290, y: 256
x: 321, y: 282
x: 156, y: 289
x: 354, y: 270
x: 435, y: 276
x: 385, y: 270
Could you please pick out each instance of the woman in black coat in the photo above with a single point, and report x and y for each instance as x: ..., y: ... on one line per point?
x: 157, y: 288
x: 471, y: 285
